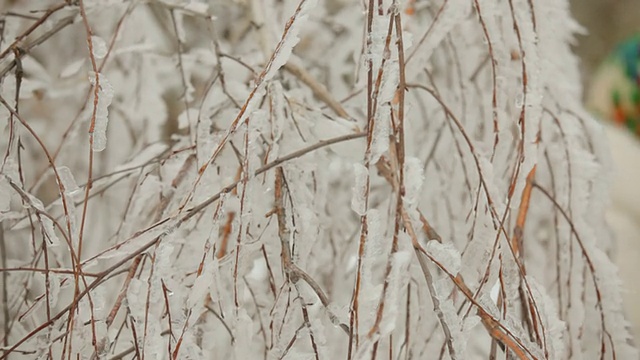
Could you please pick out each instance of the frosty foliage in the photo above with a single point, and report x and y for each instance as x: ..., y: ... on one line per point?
x: 301, y: 179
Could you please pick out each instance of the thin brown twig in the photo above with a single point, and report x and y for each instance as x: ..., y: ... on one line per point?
x: 125, y: 286
x: 44, y: 271
x: 85, y: 206
x: 33, y: 27
x: 24, y: 50
x: 319, y: 90
x: 494, y: 92
x: 167, y: 306
x: 293, y: 272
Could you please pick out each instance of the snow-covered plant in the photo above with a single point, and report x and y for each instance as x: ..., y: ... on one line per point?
x: 301, y: 179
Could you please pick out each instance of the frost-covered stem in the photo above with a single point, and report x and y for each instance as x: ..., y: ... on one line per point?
x: 241, y: 224
x: 259, y: 85
x: 283, y: 230
x: 400, y: 92
x: 496, y: 330
x: 592, y: 270
x: 92, y: 124
x: 494, y: 85
x: 426, y: 34
x: 292, y: 271
x: 198, y: 208
x: 185, y: 326
x: 296, y: 154
x: 372, y: 104
x: 397, y: 150
x: 518, y: 247
x: 136, y: 341
x: 3, y: 249
x: 272, y: 281
x: 43, y: 271
x: 305, y: 317
x: 175, y: 183
x: 165, y: 290
x: 521, y: 219
x: 565, y: 313
x: 85, y: 205
x: 437, y: 308
x: 75, y: 257
x: 48, y: 297
x: 72, y: 124
x: 24, y: 50
x: 388, y: 174
x: 11, y: 144
x: 498, y: 220
x: 407, y: 325
x: 123, y: 292
x: 148, y: 298
x: 100, y: 278
x: 181, y: 70
x: 528, y: 301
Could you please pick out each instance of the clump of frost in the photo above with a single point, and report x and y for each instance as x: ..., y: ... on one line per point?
x: 99, y: 47
x: 358, y: 198
x: 446, y: 254
x: 290, y: 38
x: 67, y: 180
x: 101, y: 119
x: 413, y: 175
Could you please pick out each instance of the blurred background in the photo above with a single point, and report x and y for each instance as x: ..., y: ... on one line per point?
x: 606, y: 22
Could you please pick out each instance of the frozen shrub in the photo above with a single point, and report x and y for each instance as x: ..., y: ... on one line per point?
x: 301, y: 179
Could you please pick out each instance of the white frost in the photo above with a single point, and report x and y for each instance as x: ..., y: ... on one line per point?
x: 413, y: 178
x: 99, y: 47
x: 5, y: 195
x: 105, y: 96
x: 67, y: 180
x: 72, y: 69
x: 358, y: 199
x: 289, y: 40
x: 445, y: 254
